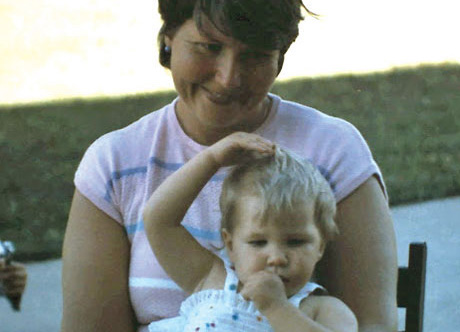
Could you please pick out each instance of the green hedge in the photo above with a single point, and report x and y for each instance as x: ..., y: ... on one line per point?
x: 410, y: 118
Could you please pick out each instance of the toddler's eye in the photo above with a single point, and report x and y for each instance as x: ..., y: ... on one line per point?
x: 258, y: 243
x: 296, y: 242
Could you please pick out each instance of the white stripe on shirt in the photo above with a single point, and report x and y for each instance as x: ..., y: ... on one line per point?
x: 153, y: 283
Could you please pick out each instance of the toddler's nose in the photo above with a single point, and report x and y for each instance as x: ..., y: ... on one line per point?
x: 276, y: 258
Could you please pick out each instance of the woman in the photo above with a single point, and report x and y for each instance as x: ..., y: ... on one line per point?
x: 224, y: 56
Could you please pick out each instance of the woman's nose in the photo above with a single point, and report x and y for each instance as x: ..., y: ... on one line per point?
x: 228, y: 71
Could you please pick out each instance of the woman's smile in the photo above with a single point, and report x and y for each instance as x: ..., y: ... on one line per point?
x: 221, y: 98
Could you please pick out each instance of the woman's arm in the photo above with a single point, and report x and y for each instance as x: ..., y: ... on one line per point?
x: 331, y: 316
x: 360, y: 267
x: 95, y: 272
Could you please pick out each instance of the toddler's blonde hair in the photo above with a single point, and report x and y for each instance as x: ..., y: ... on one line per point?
x: 283, y: 182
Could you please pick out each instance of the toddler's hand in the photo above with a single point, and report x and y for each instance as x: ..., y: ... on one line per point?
x: 240, y: 147
x: 265, y: 289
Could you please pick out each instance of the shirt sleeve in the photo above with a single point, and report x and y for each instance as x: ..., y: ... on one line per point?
x: 95, y: 177
x: 350, y: 161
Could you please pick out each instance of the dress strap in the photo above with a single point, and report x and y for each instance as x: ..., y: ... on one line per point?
x: 310, y: 287
x: 231, y: 281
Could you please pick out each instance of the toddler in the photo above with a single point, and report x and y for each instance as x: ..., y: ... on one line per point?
x: 277, y: 215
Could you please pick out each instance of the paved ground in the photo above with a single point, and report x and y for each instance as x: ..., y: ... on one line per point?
x: 436, y: 222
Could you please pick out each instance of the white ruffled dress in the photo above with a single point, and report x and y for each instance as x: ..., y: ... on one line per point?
x: 222, y: 311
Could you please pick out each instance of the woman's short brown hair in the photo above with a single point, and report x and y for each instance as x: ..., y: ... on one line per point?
x: 264, y: 24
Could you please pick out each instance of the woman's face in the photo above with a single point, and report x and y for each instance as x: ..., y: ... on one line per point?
x: 222, y: 83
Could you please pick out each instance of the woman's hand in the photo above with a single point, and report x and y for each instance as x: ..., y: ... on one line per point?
x: 13, y: 277
x: 265, y: 289
x: 240, y: 147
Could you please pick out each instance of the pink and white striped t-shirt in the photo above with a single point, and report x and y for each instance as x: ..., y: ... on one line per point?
x: 120, y: 170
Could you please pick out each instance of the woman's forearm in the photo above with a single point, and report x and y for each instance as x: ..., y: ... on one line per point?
x: 331, y: 316
x: 286, y: 317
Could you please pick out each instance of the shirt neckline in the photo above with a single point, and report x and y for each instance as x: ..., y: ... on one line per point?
x: 197, y: 147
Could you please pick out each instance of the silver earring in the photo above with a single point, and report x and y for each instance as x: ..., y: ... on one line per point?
x: 167, y: 49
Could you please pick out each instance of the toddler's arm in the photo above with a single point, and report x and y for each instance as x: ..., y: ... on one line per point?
x: 316, y: 313
x: 180, y: 255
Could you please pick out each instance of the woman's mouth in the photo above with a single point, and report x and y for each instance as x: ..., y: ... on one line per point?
x: 219, y: 98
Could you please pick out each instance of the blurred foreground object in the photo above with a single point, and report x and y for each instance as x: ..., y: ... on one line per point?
x: 9, y: 278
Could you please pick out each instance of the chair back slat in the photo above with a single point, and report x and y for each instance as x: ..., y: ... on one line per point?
x: 411, y: 287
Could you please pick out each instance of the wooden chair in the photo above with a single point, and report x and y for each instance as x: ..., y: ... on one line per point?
x: 411, y: 287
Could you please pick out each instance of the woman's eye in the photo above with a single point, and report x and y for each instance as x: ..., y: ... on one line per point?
x: 257, y: 243
x: 210, y: 47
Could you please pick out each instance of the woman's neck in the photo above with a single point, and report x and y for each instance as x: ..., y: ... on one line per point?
x: 208, y: 135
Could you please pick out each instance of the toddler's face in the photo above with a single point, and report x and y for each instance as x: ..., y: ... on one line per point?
x: 290, y: 247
